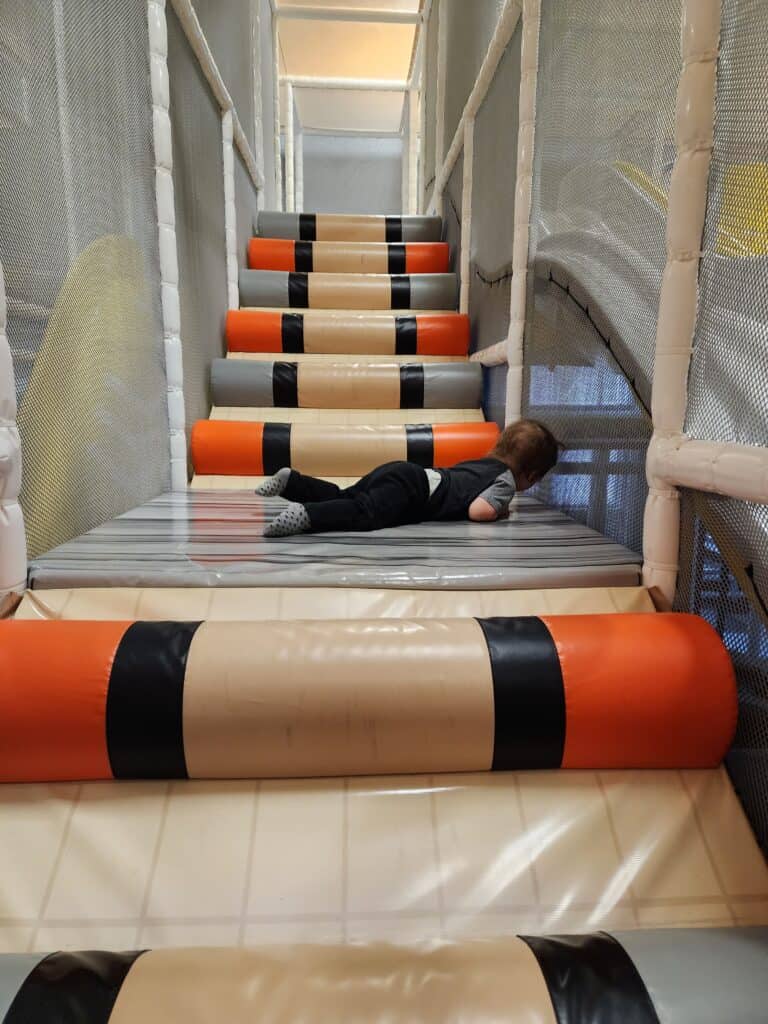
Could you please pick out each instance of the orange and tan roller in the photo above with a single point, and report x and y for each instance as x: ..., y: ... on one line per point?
x: 349, y: 257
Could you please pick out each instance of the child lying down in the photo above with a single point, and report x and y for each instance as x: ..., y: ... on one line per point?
x: 400, y: 493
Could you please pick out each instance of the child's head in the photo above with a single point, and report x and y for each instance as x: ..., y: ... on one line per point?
x: 529, y: 449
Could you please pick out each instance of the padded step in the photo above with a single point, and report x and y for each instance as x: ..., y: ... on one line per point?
x: 349, y: 257
x: 240, y: 382
x: 345, y: 417
x: 386, y: 334
x: 344, y: 227
x: 284, y: 290
x: 252, y: 449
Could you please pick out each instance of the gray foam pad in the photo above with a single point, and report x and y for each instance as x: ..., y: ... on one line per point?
x: 239, y: 382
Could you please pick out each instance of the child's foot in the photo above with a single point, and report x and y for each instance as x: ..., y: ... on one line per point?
x: 292, y: 520
x: 276, y: 484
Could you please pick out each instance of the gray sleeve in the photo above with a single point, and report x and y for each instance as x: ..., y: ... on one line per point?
x: 500, y: 493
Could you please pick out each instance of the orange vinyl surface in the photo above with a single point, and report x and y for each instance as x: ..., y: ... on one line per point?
x: 442, y: 335
x: 251, y: 330
x: 232, y: 448
x: 60, y: 700
x: 660, y: 660
x: 457, y: 442
x: 427, y: 258
x: 272, y: 254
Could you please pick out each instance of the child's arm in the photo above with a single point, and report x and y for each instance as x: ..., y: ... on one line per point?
x: 494, y: 502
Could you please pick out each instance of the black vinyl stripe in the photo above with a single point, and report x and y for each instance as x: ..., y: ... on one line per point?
x: 303, y: 257
x: 420, y: 444
x: 71, y: 988
x: 394, y: 229
x: 396, y: 258
x: 276, y: 447
x: 145, y: 733
x: 298, y: 291
x: 401, y: 292
x: 592, y: 978
x: 411, y: 386
x: 528, y: 694
x: 307, y: 227
x: 285, y: 385
x: 292, y: 332
x: 406, y: 332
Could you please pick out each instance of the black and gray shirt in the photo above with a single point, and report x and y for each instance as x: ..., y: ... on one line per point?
x: 453, y: 490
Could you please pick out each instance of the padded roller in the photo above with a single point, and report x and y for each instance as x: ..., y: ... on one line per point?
x: 251, y: 330
x: 88, y: 700
x: 241, y: 448
x: 349, y: 257
x: 348, y: 291
x: 241, y: 382
x: 710, y: 976
x: 328, y: 227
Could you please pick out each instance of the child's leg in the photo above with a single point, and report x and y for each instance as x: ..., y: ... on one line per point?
x: 290, y: 484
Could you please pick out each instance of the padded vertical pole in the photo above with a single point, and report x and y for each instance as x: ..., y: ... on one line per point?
x: 694, y: 140
x: 258, y: 120
x: 276, y: 77
x: 169, y: 262
x: 529, y: 67
x: 290, y: 180
x: 405, y: 153
x: 230, y: 214
x: 466, y: 214
x: 299, y: 160
x: 13, y: 542
x: 436, y: 203
x: 413, y: 151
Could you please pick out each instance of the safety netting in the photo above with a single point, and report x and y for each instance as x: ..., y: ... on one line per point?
x: 246, y: 207
x: 604, y: 149
x: 78, y: 243
x: 198, y: 177
x: 267, y: 101
x: 452, y: 207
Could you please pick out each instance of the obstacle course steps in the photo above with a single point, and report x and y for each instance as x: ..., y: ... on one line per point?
x: 348, y: 257
x: 311, y: 227
x: 285, y: 290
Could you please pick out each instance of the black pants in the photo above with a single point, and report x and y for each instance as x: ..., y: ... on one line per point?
x: 394, y: 494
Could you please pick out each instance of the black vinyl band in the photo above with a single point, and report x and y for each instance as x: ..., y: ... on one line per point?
x: 396, y: 258
x: 592, y: 978
x: 307, y: 227
x: 285, y: 385
x: 303, y: 257
x: 406, y: 331
x: 528, y: 694
x: 420, y: 444
x: 145, y: 733
x: 401, y: 292
x: 292, y: 332
x: 394, y: 229
x: 71, y: 988
x: 298, y: 291
x: 276, y: 447
x: 411, y: 386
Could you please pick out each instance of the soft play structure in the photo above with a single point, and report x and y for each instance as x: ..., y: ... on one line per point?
x: 451, y: 771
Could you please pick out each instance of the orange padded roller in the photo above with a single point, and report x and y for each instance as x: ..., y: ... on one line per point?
x: 253, y: 330
x: 427, y: 258
x: 443, y: 335
x: 228, y: 449
x: 457, y: 442
x: 272, y: 254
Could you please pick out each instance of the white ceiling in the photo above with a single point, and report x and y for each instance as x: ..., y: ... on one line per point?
x: 348, y: 49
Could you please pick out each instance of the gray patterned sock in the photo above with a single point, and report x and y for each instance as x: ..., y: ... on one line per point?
x: 276, y: 484
x: 294, y: 519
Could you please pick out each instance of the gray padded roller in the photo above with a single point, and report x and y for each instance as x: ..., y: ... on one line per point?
x: 452, y: 385
x: 703, y: 975
x: 242, y: 382
x: 272, y: 224
x: 264, y: 288
x: 422, y: 229
x: 434, y: 291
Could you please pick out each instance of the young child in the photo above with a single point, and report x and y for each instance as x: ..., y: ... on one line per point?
x: 399, y: 493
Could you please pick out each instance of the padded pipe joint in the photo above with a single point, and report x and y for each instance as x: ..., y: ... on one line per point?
x: 234, y: 448
x: 329, y: 385
x: 311, y: 227
x: 256, y: 330
x: 348, y: 291
x: 87, y: 700
x: 348, y: 257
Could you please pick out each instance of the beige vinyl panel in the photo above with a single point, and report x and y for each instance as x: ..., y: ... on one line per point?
x: 195, y: 604
x: 346, y: 417
x: 348, y: 228
x: 346, y: 313
x: 333, y: 334
x: 352, y: 291
x: 350, y: 258
x: 484, y: 982
x: 356, y: 697
x: 322, y: 448
x: 352, y: 386
x: 342, y: 357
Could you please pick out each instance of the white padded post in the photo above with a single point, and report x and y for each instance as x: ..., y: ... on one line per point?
x: 414, y: 144
x: 276, y: 82
x: 694, y: 140
x: 258, y: 120
x: 230, y: 213
x: 169, y: 263
x: 13, y: 541
x: 465, y: 262
x: 299, y: 161
x: 529, y: 69
x: 437, y: 202
x: 290, y: 180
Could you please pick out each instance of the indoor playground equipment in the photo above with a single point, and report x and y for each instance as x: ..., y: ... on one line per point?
x: 450, y: 771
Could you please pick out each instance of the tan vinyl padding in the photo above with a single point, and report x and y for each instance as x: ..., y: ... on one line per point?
x: 333, y: 335
x: 338, y: 698
x: 343, y: 357
x: 482, y: 982
x: 321, y: 448
x: 353, y: 386
x: 365, y: 228
x: 356, y: 291
x: 346, y: 257
x: 346, y: 417
x: 195, y: 604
